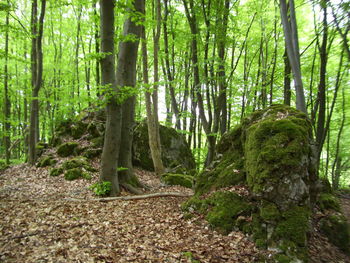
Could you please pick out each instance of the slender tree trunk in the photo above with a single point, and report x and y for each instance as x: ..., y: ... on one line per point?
x: 287, y: 71
x: 152, y: 123
x: 321, y: 96
x: 7, y: 105
x: 37, y: 71
x: 291, y: 39
x: 97, y: 50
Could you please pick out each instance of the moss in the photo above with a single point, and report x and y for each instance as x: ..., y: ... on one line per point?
x: 93, y: 130
x: 46, y: 161
x: 274, y: 146
x: 269, y: 212
x: 294, y: 225
x: 78, y: 129
x: 78, y: 162
x: 178, y: 179
x: 326, y: 186
x: 195, y: 204
x: 73, y: 174
x: 175, y: 150
x: 97, y: 142
x: 64, y: 127
x: 92, y: 153
x: 227, y: 172
x: 225, y: 207
x: 281, y: 258
x: 56, y: 171
x: 336, y: 228
x: 328, y: 201
x: 67, y: 149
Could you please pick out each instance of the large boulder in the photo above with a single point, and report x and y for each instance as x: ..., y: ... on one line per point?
x: 270, y: 156
x: 175, y: 150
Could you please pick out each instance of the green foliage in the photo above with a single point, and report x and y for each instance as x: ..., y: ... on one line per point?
x: 101, y: 188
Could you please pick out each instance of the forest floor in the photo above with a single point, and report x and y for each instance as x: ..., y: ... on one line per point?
x: 39, y: 222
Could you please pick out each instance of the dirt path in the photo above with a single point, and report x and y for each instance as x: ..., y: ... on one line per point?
x: 39, y: 225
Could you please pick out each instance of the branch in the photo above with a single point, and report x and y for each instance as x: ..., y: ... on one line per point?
x: 133, y: 197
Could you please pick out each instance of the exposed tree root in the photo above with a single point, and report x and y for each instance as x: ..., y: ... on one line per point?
x: 131, y: 189
x: 133, y: 197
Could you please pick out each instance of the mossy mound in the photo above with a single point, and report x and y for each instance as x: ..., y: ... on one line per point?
x: 92, y: 153
x: 178, y: 179
x: 48, y: 160
x: 270, y: 154
x: 78, y: 162
x: 175, y: 150
x: 221, y: 209
x: 56, y: 171
x: 67, y: 149
x: 336, y: 228
x: 76, y: 173
x: 327, y: 201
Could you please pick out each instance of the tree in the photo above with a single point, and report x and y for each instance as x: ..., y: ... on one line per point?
x: 292, y: 44
x: 37, y: 27
x: 119, y: 96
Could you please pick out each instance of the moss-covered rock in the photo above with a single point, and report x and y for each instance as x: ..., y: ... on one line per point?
x: 327, y: 201
x: 175, y: 150
x: 78, y: 162
x: 78, y: 128
x: 92, y: 153
x: 93, y: 130
x: 336, y: 228
x: 222, y: 209
x: 63, y: 128
x: 73, y: 174
x: 178, y: 179
x: 67, y: 149
x: 277, y: 154
x: 48, y: 160
x: 40, y: 147
x: 56, y: 171
x: 271, y: 155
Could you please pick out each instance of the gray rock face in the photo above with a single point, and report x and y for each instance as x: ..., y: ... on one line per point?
x: 175, y: 150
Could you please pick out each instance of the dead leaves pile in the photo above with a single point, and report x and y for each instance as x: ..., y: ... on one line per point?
x: 39, y: 225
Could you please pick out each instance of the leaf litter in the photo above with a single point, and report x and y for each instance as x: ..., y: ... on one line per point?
x: 39, y: 224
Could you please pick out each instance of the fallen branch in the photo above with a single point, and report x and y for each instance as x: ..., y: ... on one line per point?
x: 133, y: 197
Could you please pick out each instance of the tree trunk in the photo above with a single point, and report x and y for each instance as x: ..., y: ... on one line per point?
x: 7, y: 105
x: 37, y: 71
x: 110, y: 153
x: 291, y: 39
x: 151, y: 108
x: 126, y: 78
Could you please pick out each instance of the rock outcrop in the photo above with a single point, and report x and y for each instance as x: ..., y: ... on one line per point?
x: 261, y: 180
x: 175, y: 150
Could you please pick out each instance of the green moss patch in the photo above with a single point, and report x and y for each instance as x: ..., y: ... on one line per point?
x: 46, y: 161
x: 328, y: 201
x: 78, y: 129
x: 56, y: 171
x: 178, y: 179
x: 78, y: 162
x: 92, y: 153
x: 67, y: 149
x: 336, y: 228
x: 221, y: 209
x: 73, y: 174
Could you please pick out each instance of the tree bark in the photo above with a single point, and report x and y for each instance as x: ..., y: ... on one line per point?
x: 7, y: 105
x: 110, y: 153
x: 152, y: 108
x: 37, y: 72
x: 291, y: 39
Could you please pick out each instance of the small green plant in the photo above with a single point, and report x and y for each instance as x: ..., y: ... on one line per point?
x: 101, y: 188
x: 120, y: 169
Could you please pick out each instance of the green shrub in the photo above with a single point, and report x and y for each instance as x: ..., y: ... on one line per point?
x: 101, y: 188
